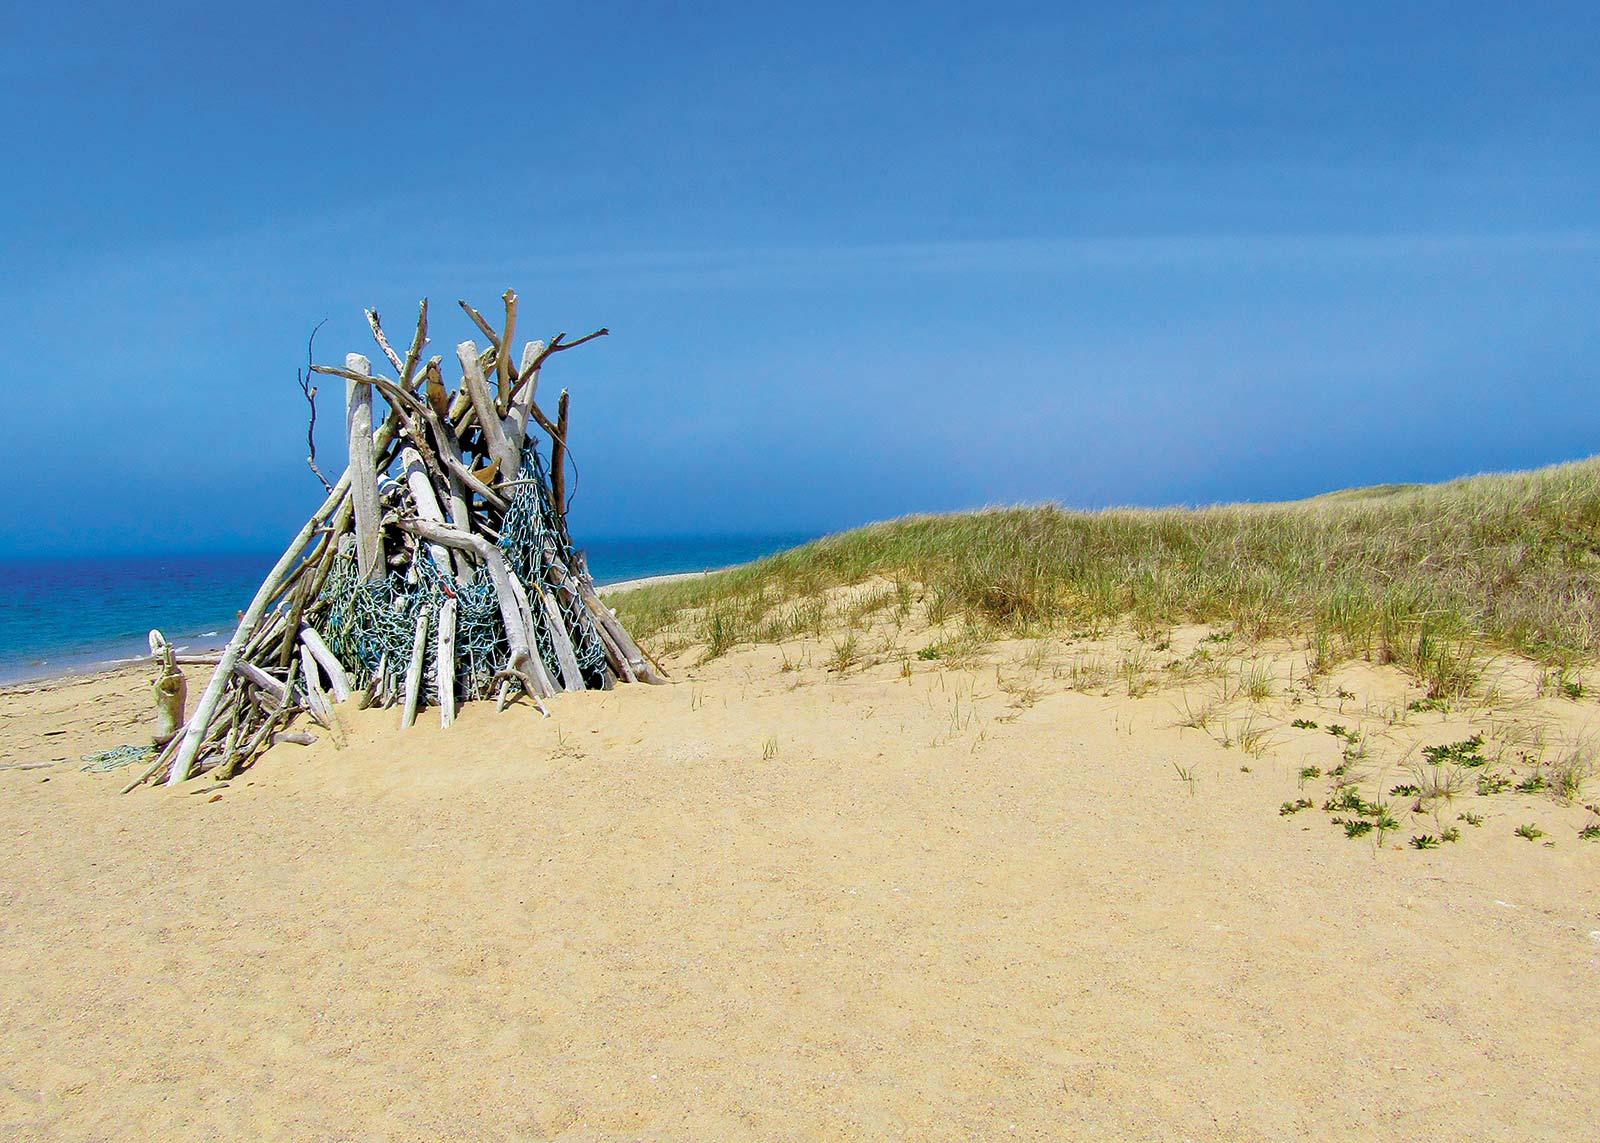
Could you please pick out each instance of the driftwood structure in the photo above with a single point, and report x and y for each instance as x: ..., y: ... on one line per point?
x: 438, y: 569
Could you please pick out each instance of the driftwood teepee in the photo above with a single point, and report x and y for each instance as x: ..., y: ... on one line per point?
x: 439, y: 566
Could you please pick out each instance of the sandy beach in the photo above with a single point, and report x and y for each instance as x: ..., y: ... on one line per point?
x: 994, y: 898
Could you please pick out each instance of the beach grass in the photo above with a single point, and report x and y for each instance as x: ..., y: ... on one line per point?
x: 1426, y: 576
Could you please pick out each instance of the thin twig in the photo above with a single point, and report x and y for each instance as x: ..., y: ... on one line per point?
x: 383, y: 344
x: 556, y: 345
x: 558, y: 436
x: 477, y: 320
x: 310, y: 391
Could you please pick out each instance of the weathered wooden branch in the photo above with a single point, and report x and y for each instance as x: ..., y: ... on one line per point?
x: 206, y: 708
x: 419, y: 342
x: 546, y: 686
x: 641, y: 666
x: 556, y: 625
x: 338, y: 680
x: 508, y: 375
x: 470, y: 481
x: 260, y: 678
x: 419, y: 646
x: 433, y: 389
x: 363, y: 471
x: 444, y: 664
x: 316, y: 698
x: 483, y: 404
x: 557, y: 345
x: 516, y: 421
x: 311, y: 587
x: 487, y: 329
x: 383, y: 343
x: 427, y: 506
x: 558, y: 459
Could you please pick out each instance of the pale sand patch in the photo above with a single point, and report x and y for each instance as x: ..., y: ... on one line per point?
x: 768, y: 903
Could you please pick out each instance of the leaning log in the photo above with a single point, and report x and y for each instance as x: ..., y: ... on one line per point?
x: 338, y: 680
x: 363, y: 467
x: 444, y: 665
x: 419, y: 646
x: 206, y: 708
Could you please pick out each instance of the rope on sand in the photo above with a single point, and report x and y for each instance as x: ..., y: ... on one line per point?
x: 105, y: 761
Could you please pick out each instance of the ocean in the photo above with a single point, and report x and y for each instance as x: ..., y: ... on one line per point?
x: 62, y: 616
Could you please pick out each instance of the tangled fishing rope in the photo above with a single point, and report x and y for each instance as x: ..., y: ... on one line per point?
x: 105, y: 761
x: 371, y: 626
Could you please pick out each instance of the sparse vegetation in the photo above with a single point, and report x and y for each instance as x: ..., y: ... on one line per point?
x: 1429, y: 579
x: 1561, y: 680
x: 1568, y: 775
x: 1433, y: 781
x: 1465, y: 753
x: 1197, y: 716
x: 1493, y: 784
x: 1414, y: 577
x: 1257, y: 682
x: 1531, y: 832
x: 1247, y: 734
x: 846, y: 654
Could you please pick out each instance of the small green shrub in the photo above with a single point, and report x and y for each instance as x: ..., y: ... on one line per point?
x: 1466, y: 753
x: 1346, y: 799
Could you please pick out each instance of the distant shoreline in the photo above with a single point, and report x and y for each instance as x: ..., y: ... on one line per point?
x: 650, y: 580
x: 86, y: 665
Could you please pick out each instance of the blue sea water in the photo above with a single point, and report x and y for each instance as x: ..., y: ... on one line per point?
x: 58, y: 616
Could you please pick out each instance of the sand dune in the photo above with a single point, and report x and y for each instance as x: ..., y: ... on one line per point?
x: 772, y: 901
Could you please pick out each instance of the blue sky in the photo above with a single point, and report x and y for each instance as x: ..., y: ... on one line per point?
x: 857, y: 261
